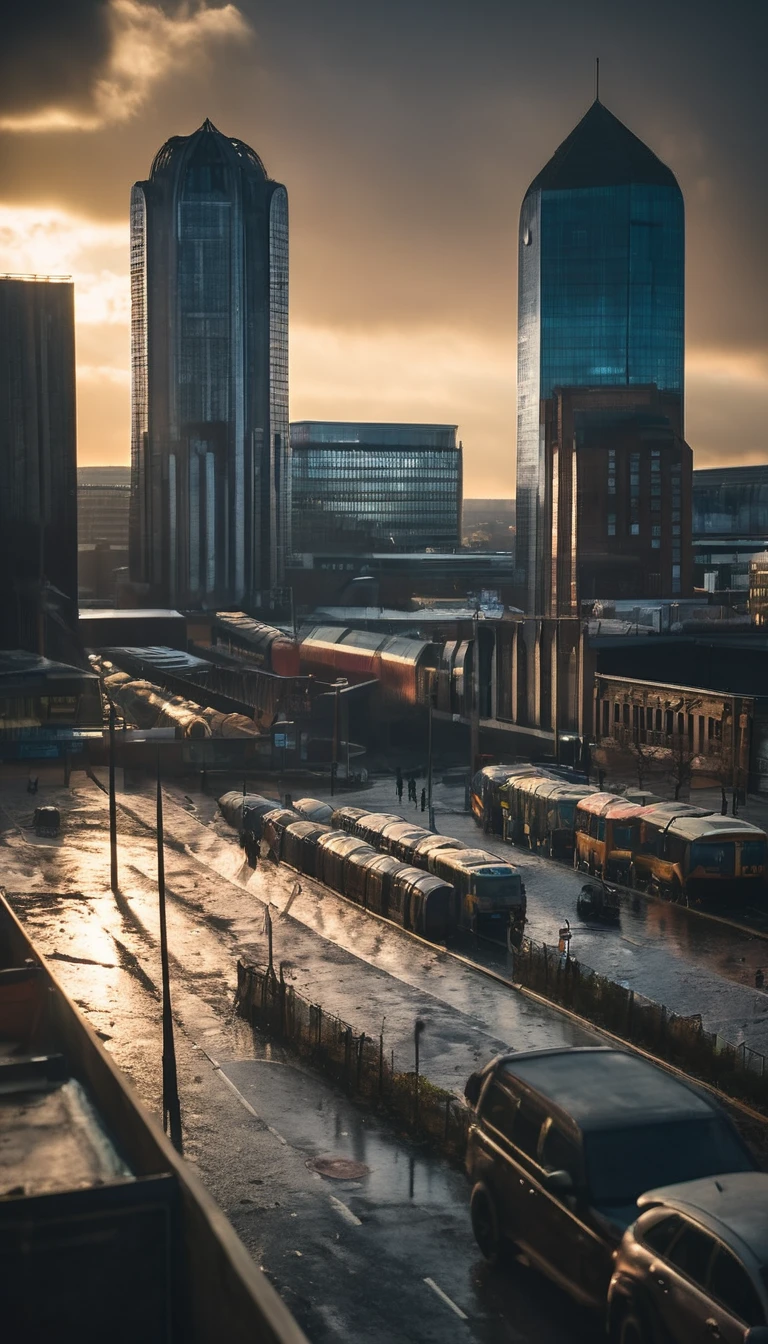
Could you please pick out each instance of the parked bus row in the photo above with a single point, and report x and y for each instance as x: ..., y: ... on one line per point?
x: 674, y: 850
x: 432, y: 884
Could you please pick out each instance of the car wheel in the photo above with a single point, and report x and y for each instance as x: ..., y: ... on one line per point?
x: 485, y: 1224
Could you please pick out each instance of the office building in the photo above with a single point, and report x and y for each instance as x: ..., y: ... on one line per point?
x: 730, y: 526
x: 38, y: 449
x: 617, y: 497
x: 600, y: 297
x: 374, y: 487
x: 210, y: 454
x: 103, y: 499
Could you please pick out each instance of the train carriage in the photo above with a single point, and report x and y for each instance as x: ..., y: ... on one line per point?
x: 430, y: 843
x: 300, y: 845
x: 346, y: 818
x: 423, y: 903
x: 333, y: 848
x: 246, y: 811
x: 400, y: 839
x: 371, y: 826
x: 487, y: 798
x: 274, y: 825
x: 314, y: 810
x: 380, y: 873
x: 542, y: 813
x: 607, y: 829
x: 700, y: 858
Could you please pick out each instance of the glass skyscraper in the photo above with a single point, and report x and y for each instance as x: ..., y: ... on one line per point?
x: 210, y: 453
x: 600, y: 295
x: 373, y: 487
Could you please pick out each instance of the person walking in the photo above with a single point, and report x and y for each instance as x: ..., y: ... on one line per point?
x: 399, y: 784
x: 423, y: 800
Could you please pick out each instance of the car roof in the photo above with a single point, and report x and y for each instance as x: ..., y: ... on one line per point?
x: 734, y: 1206
x: 599, y: 1087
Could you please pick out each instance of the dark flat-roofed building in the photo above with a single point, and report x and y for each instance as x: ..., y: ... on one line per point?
x: 364, y: 487
x: 616, y: 504
x: 38, y: 448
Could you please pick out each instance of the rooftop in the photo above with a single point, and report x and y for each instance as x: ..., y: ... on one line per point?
x: 601, y: 1088
x: 737, y: 1202
x: 599, y: 152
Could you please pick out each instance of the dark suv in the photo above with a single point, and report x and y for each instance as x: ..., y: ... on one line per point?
x: 563, y: 1142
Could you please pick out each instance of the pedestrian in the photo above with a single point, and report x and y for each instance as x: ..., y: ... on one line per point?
x: 32, y: 785
x: 399, y: 787
x: 412, y: 791
x: 759, y: 978
x: 423, y: 800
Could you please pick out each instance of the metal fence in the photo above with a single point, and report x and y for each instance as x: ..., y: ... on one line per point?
x: 737, y: 1070
x: 362, y: 1064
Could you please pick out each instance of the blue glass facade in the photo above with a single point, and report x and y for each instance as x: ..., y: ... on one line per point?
x: 601, y: 294
x: 210, y: 458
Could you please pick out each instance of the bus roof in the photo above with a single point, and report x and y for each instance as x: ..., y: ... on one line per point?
x: 715, y: 828
x: 609, y: 805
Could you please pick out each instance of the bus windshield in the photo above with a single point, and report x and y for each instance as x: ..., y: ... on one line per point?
x: 752, y: 855
x: 714, y: 856
x: 502, y: 884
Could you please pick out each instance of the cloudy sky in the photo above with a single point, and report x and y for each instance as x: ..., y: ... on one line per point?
x: 406, y: 132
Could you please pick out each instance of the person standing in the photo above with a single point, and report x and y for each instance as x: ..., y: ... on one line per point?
x: 423, y: 800
x: 399, y: 785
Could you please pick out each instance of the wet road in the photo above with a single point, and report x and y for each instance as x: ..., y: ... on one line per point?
x: 669, y: 954
x: 385, y: 1255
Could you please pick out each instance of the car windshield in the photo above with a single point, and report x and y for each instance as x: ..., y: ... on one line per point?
x: 623, y: 1163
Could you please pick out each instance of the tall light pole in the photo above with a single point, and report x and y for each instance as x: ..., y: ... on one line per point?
x: 171, y: 1103
x: 112, y: 803
x: 338, y: 685
x: 430, y: 809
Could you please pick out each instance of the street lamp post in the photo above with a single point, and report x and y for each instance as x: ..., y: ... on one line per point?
x: 112, y: 803
x: 338, y: 686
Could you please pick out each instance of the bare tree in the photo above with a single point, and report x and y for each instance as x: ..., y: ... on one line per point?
x: 681, y: 767
x: 643, y: 759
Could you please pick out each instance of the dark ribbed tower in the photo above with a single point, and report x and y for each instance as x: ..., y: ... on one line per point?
x: 600, y: 296
x: 210, y: 453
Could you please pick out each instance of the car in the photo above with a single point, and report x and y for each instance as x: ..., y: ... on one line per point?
x: 561, y: 1145
x: 694, y: 1267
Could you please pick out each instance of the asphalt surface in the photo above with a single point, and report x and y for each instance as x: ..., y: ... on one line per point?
x: 381, y: 1254
x: 669, y: 954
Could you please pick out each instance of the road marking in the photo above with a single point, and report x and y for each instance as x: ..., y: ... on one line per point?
x: 243, y: 1100
x: 345, y: 1211
x: 446, y: 1299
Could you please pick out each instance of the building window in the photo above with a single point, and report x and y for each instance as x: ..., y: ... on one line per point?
x: 611, y: 524
x: 634, y: 529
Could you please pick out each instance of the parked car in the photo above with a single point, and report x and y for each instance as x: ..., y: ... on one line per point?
x: 694, y: 1267
x: 562, y: 1144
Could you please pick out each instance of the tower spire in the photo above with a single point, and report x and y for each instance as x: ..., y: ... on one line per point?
x: 597, y: 79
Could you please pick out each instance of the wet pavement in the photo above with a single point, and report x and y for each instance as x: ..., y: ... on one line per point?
x: 674, y: 956
x: 383, y: 1254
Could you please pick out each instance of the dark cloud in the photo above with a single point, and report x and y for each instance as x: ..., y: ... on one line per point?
x: 51, y: 51
x: 407, y: 132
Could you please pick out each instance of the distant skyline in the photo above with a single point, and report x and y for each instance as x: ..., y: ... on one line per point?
x: 406, y: 135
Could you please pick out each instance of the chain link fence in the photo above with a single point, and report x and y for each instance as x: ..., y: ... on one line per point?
x: 363, y: 1065
x: 736, y: 1070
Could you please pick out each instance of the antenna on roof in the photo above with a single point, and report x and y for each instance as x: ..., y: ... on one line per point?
x: 597, y: 79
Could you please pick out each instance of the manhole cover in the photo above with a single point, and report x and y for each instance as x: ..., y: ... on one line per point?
x: 338, y: 1168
